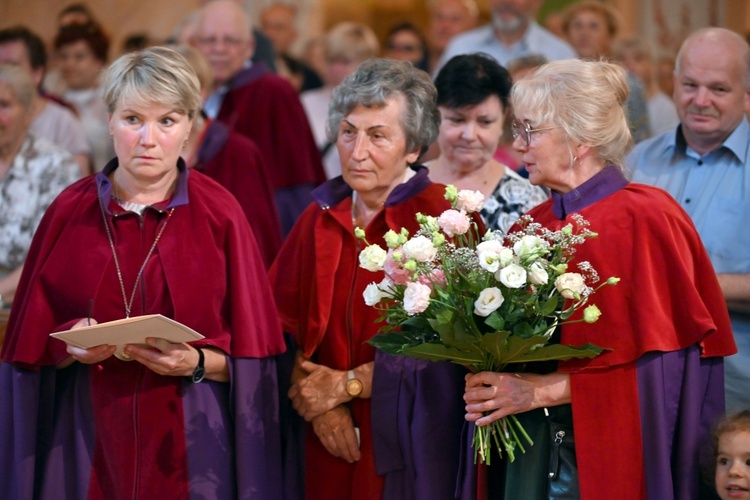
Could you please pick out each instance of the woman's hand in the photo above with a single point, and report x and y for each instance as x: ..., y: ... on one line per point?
x: 178, y: 360
x: 335, y: 429
x: 505, y: 394
x: 87, y: 356
x: 320, y: 391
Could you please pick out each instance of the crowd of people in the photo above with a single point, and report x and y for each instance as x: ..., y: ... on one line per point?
x: 218, y: 178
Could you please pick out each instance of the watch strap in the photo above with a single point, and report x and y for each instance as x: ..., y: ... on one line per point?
x: 200, y: 371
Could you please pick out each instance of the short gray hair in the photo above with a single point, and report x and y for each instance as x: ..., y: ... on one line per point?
x: 721, y: 36
x: 20, y: 83
x: 585, y: 99
x: 154, y: 75
x: 378, y: 80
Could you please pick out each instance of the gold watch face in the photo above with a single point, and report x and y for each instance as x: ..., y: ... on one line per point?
x: 353, y: 387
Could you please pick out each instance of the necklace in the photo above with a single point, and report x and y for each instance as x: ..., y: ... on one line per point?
x: 129, y: 303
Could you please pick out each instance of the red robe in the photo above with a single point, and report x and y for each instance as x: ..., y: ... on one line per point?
x: 668, y: 300
x: 206, y: 273
x: 236, y: 163
x: 318, y: 287
x: 266, y: 108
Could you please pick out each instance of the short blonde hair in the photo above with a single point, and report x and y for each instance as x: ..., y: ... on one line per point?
x: 585, y: 99
x: 154, y: 75
x: 200, y: 65
x: 353, y: 41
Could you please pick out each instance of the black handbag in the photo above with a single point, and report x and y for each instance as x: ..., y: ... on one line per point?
x: 563, y: 471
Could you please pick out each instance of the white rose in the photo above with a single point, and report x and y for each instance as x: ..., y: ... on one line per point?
x: 512, y: 276
x: 420, y: 248
x: 529, y: 245
x: 470, y: 201
x: 372, y: 294
x: 569, y: 285
x: 372, y: 258
x: 416, y: 298
x: 488, y: 302
x: 489, y: 260
x: 538, y: 274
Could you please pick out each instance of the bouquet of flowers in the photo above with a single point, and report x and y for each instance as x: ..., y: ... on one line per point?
x: 483, y: 302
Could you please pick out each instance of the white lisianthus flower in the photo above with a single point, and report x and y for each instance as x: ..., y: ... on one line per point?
x: 420, y: 248
x: 591, y: 314
x: 416, y: 298
x: 491, y: 245
x: 372, y: 294
x: 512, y: 276
x: 372, y: 258
x: 529, y: 245
x: 570, y: 285
x: 507, y: 257
x: 470, y: 201
x: 453, y: 222
x: 489, y: 261
x: 538, y: 274
x: 386, y: 288
x: 488, y: 302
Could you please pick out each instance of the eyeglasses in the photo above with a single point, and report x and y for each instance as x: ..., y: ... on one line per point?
x: 209, y: 41
x: 524, y: 129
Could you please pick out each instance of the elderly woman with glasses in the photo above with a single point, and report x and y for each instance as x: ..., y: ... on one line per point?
x: 473, y: 99
x: 640, y: 411
x: 379, y: 426
x: 145, y: 236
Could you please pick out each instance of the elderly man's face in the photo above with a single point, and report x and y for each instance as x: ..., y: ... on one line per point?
x: 15, y: 53
x: 710, y: 92
x: 448, y: 18
x: 14, y: 119
x: 224, y: 41
x: 512, y: 15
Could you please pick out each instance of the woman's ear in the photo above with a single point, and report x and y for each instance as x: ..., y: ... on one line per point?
x: 581, y: 150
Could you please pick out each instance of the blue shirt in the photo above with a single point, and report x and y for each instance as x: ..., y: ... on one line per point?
x: 715, y: 190
x: 535, y: 41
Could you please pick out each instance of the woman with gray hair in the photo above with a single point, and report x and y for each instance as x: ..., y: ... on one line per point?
x: 659, y: 383
x: 379, y: 426
x: 33, y: 171
x: 146, y: 236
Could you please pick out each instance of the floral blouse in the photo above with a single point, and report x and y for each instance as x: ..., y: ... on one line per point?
x: 512, y: 197
x: 39, y: 172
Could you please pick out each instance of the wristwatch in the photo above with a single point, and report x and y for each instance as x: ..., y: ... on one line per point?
x: 353, y: 385
x: 200, y: 370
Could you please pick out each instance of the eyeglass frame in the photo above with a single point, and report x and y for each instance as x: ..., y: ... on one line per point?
x: 515, y: 129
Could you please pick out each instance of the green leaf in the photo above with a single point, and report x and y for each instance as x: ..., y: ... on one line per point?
x: 560, y: 352
x: 524, y: 330
x: 444, y: 317
x: 495, y: 343
x: 392, y: 343
x: 495, y: 321
x: 551, y: 305
x: 439, y: 352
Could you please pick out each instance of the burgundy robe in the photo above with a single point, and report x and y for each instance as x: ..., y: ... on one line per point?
x: 642, y: 410
x: 266, y: 108
x: 235, y: 162
x: 411, y: 428
x: 116, y: 429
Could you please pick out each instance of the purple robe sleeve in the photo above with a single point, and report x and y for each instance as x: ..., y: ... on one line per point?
x: 419, y: 455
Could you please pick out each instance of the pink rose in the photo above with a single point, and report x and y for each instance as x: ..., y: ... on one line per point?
x: 453, y: 222
x: 416, y: 298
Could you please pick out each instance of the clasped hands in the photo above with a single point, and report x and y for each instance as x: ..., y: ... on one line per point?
x: 164, y: 357
x: 318, y: 396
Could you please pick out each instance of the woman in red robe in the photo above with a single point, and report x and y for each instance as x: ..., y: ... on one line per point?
x: 144, y: 236
x: 641, y: 411
x: 379, y: 426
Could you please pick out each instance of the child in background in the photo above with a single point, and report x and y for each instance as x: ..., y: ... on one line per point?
x: 732, y: 439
